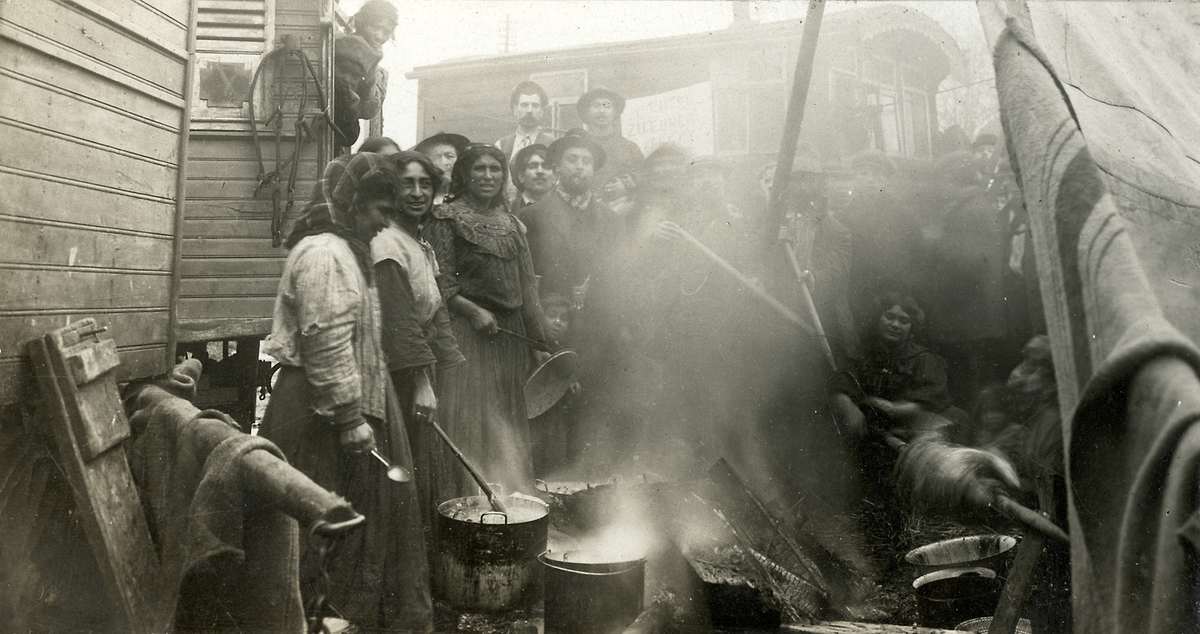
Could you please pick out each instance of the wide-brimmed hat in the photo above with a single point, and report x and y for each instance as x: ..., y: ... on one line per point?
x: 576, y: 137
x: 588, y: 97
x: 457, y: 141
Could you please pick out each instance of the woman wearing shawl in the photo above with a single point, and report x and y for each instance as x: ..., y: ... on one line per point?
x: 486, y: 276
x: 333, y: 400
x: 416, y: 326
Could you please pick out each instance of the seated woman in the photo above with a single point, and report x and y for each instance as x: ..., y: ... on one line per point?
x: 895, y: 384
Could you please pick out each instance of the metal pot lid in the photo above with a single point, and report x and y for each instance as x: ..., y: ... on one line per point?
x: 549, y: 382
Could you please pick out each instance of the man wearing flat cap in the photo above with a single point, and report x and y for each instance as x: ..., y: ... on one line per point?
x: 600, y: 110
x: 569, y: 228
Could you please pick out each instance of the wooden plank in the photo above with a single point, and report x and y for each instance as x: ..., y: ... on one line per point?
x: 93, y: 38
x: 127, y: 328
x: 233, y: 267
x: 70, y: 158
x: 106, y: 498
x: 228, y: 287
x: 225, y: 228
x: 177, y: 9
x: 239, y: 190
x: 45, y: 107
x: 28, y: 195
x: 17, y: 379
x: 229, y: 33
x: 142, y: 23
x: 233, y: 5
x: 221, y: 329
x: 35, y: 41
x: 36, y: 66
x: 239, y: 147
x: 27, y: 242
x: 237, y: 20
x: 230, y: 46
x: 244, y: 169
x: 225, y: 308
x: 227, y: 210
x: 255, y: 247
x: 33, y: 288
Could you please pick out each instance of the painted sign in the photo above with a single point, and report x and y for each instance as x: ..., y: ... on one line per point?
x: 683, y: 116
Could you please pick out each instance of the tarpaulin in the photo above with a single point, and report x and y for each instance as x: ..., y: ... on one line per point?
x: 1098, y: 104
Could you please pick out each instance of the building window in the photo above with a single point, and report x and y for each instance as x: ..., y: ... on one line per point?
x: 563, y: 88
x: 877, y: 109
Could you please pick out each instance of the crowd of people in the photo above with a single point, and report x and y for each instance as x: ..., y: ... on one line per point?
x: 416, y: 277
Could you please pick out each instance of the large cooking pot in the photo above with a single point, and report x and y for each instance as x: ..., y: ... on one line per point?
x: 487, y: 560
x: 585, y: 594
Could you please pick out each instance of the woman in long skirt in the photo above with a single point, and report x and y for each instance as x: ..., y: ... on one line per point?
x: 333, y: 400
x: 417, y: 339
x: 486, y: 276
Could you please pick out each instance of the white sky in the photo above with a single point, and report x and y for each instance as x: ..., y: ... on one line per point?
x: 435, y: 31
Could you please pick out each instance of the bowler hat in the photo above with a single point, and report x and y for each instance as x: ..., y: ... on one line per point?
x: 457, y: 141
x: 588, y: 97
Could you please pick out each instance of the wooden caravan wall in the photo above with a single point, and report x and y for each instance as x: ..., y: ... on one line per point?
x: 229, y: 268
x: 92, y: 111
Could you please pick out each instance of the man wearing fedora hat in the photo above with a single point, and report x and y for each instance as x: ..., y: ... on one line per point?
x: 569, y: 226
x: 443, y: 150
x: 600, y: 110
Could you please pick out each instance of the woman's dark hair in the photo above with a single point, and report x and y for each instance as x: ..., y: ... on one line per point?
x: 461, y: 173
x: 906, y: 302
x: 376, y: 143
x: 402, y: 159
x: 528, y: 87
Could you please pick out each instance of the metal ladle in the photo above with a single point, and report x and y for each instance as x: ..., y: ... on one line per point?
x: 395, y: 473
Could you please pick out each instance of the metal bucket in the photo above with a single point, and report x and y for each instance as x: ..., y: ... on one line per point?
x: 487, y: 561
x: 982, y: 551
x: 948, y: 597
x: 590, y: 597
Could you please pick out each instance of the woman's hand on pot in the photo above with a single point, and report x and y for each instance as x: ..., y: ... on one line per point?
x: 358, y: 439
x: 482, y: 320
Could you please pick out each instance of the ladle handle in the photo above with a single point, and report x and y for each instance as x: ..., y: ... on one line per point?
x: 487, y: 489
x: 534, y: 343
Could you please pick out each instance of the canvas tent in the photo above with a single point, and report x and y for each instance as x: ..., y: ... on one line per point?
x: 1098, y: 101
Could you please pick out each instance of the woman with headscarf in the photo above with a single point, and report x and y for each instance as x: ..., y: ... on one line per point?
x: 416, y: 325
x: 487, y: 279
x: 333, y: 400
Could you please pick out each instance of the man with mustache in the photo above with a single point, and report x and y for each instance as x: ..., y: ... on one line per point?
x: 532, y: 175
x: 528, y: 103
x: 569, y: 226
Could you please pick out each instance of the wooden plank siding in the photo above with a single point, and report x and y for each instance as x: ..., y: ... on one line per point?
x: 92, y: 111
x: 229, y: 270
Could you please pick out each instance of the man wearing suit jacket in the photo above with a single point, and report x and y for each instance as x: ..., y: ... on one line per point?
x: 528, y: 102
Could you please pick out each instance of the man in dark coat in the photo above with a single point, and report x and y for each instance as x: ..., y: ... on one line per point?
x: 532, y: 175
x: 600, y: 110
x: 568, y: 227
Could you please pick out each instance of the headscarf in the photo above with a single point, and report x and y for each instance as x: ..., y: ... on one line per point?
x: 333, y: 206
x: 462, y: 170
